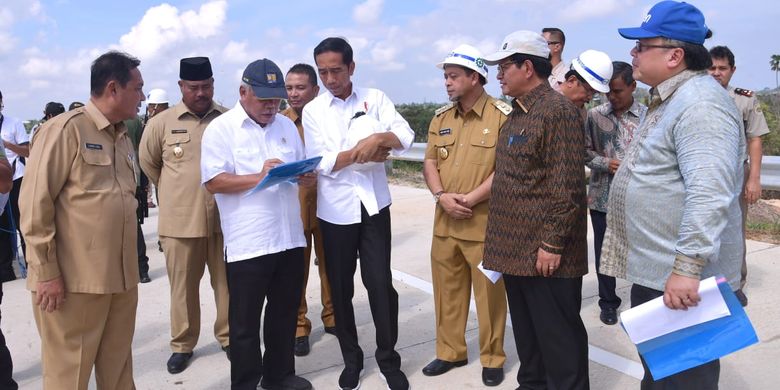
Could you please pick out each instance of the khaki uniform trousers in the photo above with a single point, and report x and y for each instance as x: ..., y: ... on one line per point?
x: 88, y: 330
x: 328, y: 319
x: 186, y: 259
x: 454, y: 267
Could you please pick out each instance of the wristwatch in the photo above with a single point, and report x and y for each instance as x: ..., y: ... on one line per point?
x: 436, y: 196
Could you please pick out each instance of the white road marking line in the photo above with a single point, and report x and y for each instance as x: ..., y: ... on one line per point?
x: 596, y: 354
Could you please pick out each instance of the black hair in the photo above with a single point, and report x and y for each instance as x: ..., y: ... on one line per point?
x: 723, y: 52
x: 336, y: 45
x: 307, y: 70
x: 113, y: 65
x: 624, y: 71
x: 542, y: 66
x: 696, y: 56
x: 557, y: 33
x: 576, y: 74
x: 469, y: 72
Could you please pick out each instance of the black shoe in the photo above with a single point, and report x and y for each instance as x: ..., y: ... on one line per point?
x: 302, y: 346
x: 159, y: 246
x: 290, y: 382
x: 395, y: 380
x: 226, y: 350
x: 350, y: 378
x: 492, y: 376
x: 742, y: 297
x: 145, y: 277
x: 609, y: 316
x: 438, y: 366
x: 178, y: 362
x: 330, y: 330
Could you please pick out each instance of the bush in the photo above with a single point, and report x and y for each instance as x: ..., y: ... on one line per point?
x: 419, y: 116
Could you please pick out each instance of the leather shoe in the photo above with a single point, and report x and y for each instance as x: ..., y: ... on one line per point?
x: 145, y: 278
x: 438, y: 367
x: 741, y: 297
x: 608, y: 316
x: 302, y: 346
x: 492, y: 376
x: 290, y: 382
x: 330, y: 330
x: 226, y: 350
x: 178, y: 362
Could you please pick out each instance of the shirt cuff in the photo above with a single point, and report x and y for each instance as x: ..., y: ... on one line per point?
x: 327, y: 163
x: 688, y: 266
x: 47, y: 271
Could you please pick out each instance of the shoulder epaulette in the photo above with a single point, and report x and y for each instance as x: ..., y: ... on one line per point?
x: 743, y: 92
x: 502, y: 106
x: 445, y: 108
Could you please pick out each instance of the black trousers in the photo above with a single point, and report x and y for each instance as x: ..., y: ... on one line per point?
x: 551, y: 340
x: 13, y: 199
x: 143, y: 260
x: 276, y: 278
x: 7, y: 247
x: 608, y: 299
x: 6, y: 365
x: 704, y: 377
x: 370, y: 237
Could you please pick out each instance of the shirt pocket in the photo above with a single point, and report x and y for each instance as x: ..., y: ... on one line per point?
x: 524, y: 146
x: 178, y: 148
x: 98, y: 171
x: 444, y: 146
x: 483, y: 145
x: 248, y: 160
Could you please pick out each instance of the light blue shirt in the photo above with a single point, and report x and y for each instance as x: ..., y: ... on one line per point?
x: 676, y: 194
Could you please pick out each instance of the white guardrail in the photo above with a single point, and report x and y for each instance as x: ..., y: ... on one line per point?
x: 770, y: 165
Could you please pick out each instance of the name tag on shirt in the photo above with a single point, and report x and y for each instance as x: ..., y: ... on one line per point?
x: 94, y: 146
x: 445, y: 131
x: 518, y: 139
x: 179, y: 131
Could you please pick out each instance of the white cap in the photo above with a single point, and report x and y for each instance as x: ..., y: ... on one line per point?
x: 157, y: 96
x: 467, y: 56
x: 595, y: 67
x: 520, y: 42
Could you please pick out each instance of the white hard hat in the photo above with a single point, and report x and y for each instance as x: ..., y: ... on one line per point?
x: 467, y: 56
x: 157, y: 96
x: 595, y: 67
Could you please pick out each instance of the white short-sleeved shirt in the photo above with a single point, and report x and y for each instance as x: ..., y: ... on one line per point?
x: 325, y: 124
x: 14, y: 132
x: 267, y: 221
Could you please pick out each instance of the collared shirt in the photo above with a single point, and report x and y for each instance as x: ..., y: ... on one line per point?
x: 170, y: 156
x: 14, y: 132
x: 78, y: 204
x: 267, y: 221
x: 464, y: 147
x: 607, y: 137
x: 675, y: 198
x: 306, y: 195
x: 325, y: 123
x: 558, y: 75
x: 3, y: 196
x: 752, y: 116
x: 538, y: 192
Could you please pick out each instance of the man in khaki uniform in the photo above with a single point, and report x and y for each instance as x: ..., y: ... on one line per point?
x: 301, y: 85
x: 458, y: 169
x: 78, y: 217
x: 189, y: 223
x: 722, y: 69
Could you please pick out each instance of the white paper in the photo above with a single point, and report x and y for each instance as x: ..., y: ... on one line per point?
x: 492, y: 275
x: 653, y: 319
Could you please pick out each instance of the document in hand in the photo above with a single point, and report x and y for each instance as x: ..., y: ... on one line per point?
x: 287, y: 172
x: 671, y: 341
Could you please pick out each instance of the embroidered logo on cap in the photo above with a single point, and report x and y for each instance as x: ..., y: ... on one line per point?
x: 271, y: 78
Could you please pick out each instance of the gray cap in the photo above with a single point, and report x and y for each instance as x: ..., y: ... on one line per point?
x: 266, y: 79
x: 520, y: 42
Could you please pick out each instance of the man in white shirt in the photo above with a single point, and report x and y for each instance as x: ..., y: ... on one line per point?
x: 262, y: 230
x: 354, y: 130
x: 556, y: 40
x: 17, y: 147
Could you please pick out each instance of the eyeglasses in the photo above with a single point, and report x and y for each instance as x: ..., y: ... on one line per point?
x: 503, y: 67
x: 640, y: 47
x: 550, y: 43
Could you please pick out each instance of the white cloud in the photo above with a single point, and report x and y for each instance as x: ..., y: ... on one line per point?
x: 40, y: 66
x: 6, y: 18
x: 368, y: 11
x: 7, y: 43
x: 40, y: 84
x: 586, y: 9
x: 383, y: 56
x: 163, y: 27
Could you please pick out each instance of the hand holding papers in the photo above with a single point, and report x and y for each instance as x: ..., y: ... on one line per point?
x: 671, y: 341
x: 287, y: 172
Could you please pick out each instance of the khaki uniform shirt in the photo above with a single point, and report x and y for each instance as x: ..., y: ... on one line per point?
x: 78, y: 204
x: 170, y: 156
x: 464, y: 147
x: 307, y: 195
x: 752, y: 116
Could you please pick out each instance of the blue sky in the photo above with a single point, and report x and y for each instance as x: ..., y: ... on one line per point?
x: 46, y: 46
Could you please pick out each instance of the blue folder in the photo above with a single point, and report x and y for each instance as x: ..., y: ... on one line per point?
x: 287, y: 172
x: 699, y: 344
